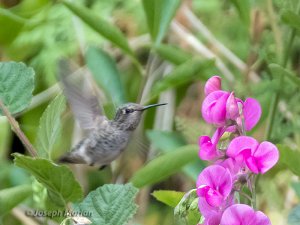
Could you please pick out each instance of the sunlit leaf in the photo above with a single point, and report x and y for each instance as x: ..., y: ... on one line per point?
x: 164, y: 166
x: 100, y: 25
x: 11, y: 197
x: 106, y: 73
x: 170, y: 198
x: 16, y: 85
x: 111, y: 204
x: 186, y: 72
x: 50, y: 126
x: 59, y: 180
x: 159, y: 14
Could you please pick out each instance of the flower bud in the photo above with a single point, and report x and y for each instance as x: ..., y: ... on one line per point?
x: 213, y: 84
x: 232, y: 109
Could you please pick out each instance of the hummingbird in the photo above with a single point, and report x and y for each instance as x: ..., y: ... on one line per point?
x: 106, y: 139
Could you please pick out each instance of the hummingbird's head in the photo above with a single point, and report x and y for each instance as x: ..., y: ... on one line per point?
x: 129, y: 115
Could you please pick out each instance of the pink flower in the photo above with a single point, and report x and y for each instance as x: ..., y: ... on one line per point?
x: 212, y: 84
x: 208, y: 147
x: 252, y: 112
x: 214, y: 186
x: 240, y: 214
x: 221, y: 107
x: 259, y: 158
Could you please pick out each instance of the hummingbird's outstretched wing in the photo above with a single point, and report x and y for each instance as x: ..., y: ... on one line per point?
x: 83, y: 103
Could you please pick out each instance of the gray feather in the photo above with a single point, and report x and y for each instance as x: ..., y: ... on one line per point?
x: 83, y: 103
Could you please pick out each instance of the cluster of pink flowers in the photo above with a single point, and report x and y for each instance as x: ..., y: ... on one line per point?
x: 235, y: 164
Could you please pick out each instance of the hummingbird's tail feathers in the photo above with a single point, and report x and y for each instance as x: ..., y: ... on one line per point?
x: 71, y: 158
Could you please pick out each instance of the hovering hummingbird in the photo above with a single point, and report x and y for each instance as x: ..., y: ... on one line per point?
x: 106, y: 139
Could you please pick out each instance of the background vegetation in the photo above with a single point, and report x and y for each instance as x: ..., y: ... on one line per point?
x: 144, y: 51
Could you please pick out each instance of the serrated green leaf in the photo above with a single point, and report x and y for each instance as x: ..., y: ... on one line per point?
x: 100, y: 25
x: 290, y: 158
x: 16, y: 85
x: 170, y: 198
x: 278, y: 70
x: 291, y: 19
x: 111, y: 204
x: 186, y: 72
x: 50, y: 126
x: 159, y: 14
x: 11, y: 197
x: 173, y: 54
x: 59, y: 180
x: 108, y: 77
x: 164, y: 166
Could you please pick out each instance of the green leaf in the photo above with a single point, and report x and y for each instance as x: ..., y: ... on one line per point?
x: 100, y: 25
x: 243, y: 7
x: 11, y: 25
x: 170, y: 198
x: 159, y: 14
x: 11, y: 197
x: 111, y: 204
x: 187, y: 209
x: 164, y: 166
x: 173, y: 54
x: 16, y: 85
x: 290, y: 18
x: 290, y: 158
x: 278, y: 70
x: 50, y: 126
x: 165, y: 140
x: 108, y: 77
x: 182, y: 74
x: 59, y: 180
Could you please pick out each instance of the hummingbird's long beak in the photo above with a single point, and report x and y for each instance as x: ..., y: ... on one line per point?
x: 153, y: 105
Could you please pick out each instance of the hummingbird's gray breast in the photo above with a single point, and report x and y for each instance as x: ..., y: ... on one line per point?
x: 105, y: 144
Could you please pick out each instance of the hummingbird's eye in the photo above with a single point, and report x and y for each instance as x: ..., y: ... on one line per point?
x: 128, y: 111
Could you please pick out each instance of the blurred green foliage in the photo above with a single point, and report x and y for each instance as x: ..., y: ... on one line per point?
x: 145, y: 51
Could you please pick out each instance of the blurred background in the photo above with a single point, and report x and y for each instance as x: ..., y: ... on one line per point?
x: 159, y: 51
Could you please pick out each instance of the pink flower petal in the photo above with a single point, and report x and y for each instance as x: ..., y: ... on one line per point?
x: 212, y: 84
x: 252, y: 164
x: 208, y: 147
x: 216, y: 177
x: 240, y: 214
x: 208, y: 211
x: 232, y: 109
x: 266, y: 156
x: 218, y: 112
x: 214, y: 198
x: 239, y: 144
x: 252, y: 113
x: 214, y: 107
x: 207, y: 150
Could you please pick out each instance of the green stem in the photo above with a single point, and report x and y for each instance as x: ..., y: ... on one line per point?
x: 274, y: 104
x: 18, y: 131
x: 253, y: 192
